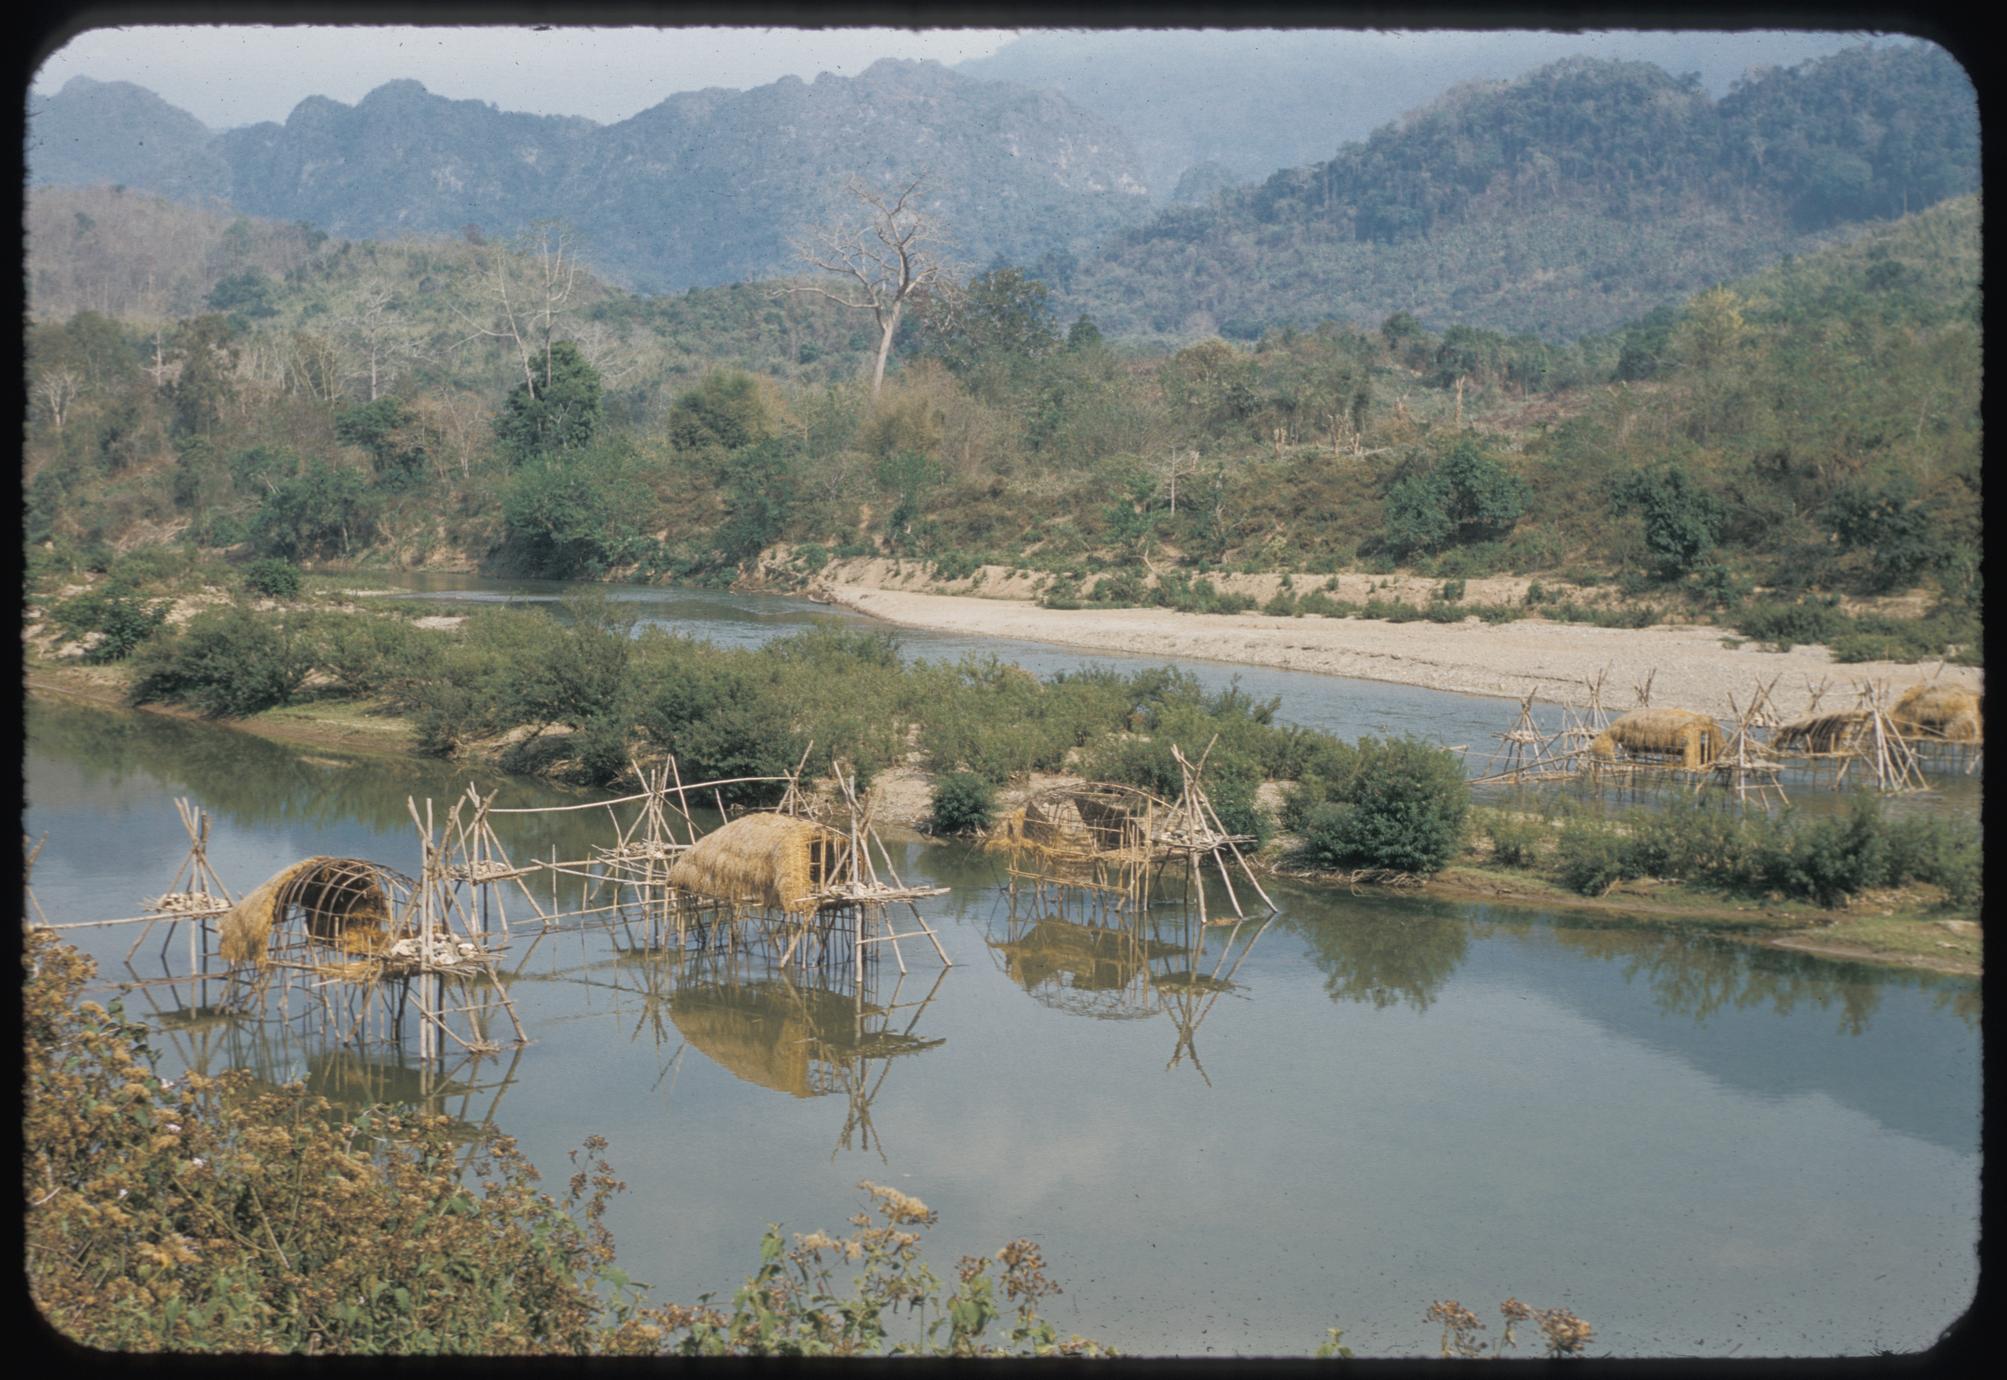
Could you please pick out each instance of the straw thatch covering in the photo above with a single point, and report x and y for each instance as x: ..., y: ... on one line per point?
x: 1946, y: 713
x: 338, y: 903
x: 1679, y: 736
x: 1843, y: 731
x: 769, y: 860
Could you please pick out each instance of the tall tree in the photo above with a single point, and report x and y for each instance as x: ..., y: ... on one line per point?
x: 889, y: 254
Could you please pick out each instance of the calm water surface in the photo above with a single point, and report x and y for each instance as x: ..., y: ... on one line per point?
x: 1702, y: 1147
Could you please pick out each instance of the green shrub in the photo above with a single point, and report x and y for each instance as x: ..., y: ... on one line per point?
x: 1783, y: 626
x: 1402, y: 809
x: 225, y: 663
x: 120, y: 619
x: 1515, y: 841
x: 1592, y: 857
x: 962, y: 804
x: 273, y: 578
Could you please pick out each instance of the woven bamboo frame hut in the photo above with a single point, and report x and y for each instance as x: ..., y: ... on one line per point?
x: 346, y: 905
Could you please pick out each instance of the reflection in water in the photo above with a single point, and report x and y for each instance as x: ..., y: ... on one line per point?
x: 804, y: 1028
x: 1384, y: 959
x: 1073, y: 952
x: 1837, y: 1104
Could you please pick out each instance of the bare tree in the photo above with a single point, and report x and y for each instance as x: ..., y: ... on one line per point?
x: 893, y: 255
x: 376, y: 334
x: 529, y: 292
x: 56, y: 388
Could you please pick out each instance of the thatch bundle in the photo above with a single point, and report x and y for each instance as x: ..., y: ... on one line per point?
x: 1669, y: 735
x: 1945, y: 713
x: 769, y: 860
x: 1842, y: 731
x: 338, y: 903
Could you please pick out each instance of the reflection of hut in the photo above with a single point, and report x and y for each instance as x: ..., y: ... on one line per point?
x: 1084, y: 958
x: 775, y: 861
x: 1675, y: 737
x: 1943, y: 713
x: 343, y: 904
x: 753, y: 1032
x: 796, y: 1040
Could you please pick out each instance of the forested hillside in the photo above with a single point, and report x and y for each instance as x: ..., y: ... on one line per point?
x: 1252, y: 100
x: 708, y: 187
x: 1568, y: 200
x: 1815, y: 426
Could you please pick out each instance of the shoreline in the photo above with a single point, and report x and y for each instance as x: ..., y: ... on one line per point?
x: 1764, y: 924
x: 1688, y: 666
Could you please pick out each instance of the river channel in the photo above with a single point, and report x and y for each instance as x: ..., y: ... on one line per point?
x: 1701, y: 1146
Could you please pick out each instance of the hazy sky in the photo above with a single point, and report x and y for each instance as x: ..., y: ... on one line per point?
x: 238, y: 75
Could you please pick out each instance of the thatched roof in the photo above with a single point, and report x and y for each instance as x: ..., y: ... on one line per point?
x: 1949, y: 713
x: 339, y: 903
x: 1840, y: 731
x: 769, y: 860
x: 1692, y: 739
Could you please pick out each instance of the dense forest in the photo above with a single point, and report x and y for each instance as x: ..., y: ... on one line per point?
x: 1814, y: 426
x: 1570, y: 199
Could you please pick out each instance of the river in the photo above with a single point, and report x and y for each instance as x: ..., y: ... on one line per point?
x: 1702, y: 1147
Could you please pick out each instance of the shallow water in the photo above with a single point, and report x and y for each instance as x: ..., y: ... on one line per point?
x: 1702, y: 1147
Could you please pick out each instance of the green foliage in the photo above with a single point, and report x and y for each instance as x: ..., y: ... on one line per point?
x: 324, y: 510
x: 1515, y: 840
x: 121, y: 620
x: 963, y: 803
x: 1826, y: 859
x: 993, y: 330
x: 1467, y: 497
x: 1681, y: 520
x: 1401, y: 808
x: 1783, y: 626
x: 574, y: 514
x: 273, y: 578
x: 225, y: 662
x: 1898, y: 534
x: 381, y: 428
x: 723, y: 413
x: 555, y: 410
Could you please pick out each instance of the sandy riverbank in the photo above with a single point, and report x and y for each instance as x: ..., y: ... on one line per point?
x: 1691, y: 667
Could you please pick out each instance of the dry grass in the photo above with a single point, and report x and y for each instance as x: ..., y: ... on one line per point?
x: 341, y: 903
x: 1693, y: 740
x: 1946, y: 713
x: 769, y: 860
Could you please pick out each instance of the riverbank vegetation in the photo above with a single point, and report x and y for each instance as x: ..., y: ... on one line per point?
x: 1792, y: 455
x: 1827, y: 860
x: 213, y: 1215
